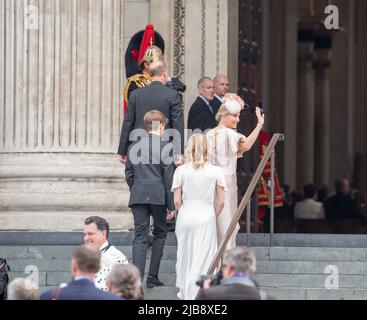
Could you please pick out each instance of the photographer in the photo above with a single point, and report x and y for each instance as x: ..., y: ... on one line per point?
x: 239, y: 264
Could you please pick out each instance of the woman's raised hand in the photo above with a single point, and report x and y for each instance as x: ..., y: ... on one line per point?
x: 260, y: 117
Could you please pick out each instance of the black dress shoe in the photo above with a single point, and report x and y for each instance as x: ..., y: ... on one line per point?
x: 154, y: 282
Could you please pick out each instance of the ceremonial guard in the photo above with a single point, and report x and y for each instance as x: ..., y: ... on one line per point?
x: 264, y: 191
x: 144, y: 48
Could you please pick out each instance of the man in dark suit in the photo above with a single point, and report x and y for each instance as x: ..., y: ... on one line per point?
x: 341, y: 205
x: 84, y: 264
x: 239, y: 264
x: 149, y: 174
x: 155, y: 96
x: 221, y: 87
x: 201, y: 114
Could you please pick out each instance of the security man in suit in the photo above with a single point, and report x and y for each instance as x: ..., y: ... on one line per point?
x: 201, y: 114
x: 221, y: 87
x: 149, y: 174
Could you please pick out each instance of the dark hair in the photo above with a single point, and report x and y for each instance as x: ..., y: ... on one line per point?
x: 322, y: 193
x: 339, y: 185
x: 296, y: 196
x: 100, y: 222
x: 309, y: 190
x: 87, y: 258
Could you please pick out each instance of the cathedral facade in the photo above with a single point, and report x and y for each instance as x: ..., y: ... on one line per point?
x: 61, y: 89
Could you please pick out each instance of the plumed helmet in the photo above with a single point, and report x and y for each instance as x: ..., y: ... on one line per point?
x: 142, y: 48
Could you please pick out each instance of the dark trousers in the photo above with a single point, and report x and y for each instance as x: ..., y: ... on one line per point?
x: 142, y: 213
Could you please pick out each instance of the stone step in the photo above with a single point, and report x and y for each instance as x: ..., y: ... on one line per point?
x: 354, y: 282
x: 58, y: 221
x: 63, y: 200
x: 315, y: 294
x: 161, y: 293
x: 54, y: 186
x: 310, y: 281
x: 168, y: 265
x: 125, y: 238
x: 60, y: 165
x: 262, y: 254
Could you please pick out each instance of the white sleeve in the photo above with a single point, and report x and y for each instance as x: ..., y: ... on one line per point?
x: 221, y: 180
x: 233, y: 139
x: 177, y: 179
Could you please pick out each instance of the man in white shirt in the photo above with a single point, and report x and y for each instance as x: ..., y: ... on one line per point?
x: 96, y: 231
x: 309, y: 208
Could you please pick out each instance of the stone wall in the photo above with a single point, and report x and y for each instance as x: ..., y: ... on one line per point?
x: 61, y: 78
x: 61, y: 75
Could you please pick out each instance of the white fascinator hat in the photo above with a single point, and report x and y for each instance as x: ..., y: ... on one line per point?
x: 233, y: 103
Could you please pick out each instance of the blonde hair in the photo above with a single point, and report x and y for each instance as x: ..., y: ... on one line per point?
x: 197, y: 151
x: 222, y: 112
x: 126, y: 280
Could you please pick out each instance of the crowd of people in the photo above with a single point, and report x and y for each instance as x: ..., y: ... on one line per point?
x: 99, y: 271
x: 317, y: 210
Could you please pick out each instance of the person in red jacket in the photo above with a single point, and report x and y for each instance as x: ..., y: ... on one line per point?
x: 264, y: 190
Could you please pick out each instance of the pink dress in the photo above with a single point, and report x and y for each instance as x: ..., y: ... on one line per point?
x: 223, y: 145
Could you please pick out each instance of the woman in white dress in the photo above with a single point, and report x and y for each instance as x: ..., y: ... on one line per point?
x: 195, y: 185
x: 225, y: 145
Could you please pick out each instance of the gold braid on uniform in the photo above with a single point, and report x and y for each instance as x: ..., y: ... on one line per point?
x: 141, y: 80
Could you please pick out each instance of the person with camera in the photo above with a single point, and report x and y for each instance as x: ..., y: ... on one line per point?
x: 233, y: 281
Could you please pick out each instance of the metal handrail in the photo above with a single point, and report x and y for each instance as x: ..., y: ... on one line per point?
x: 269, y: 152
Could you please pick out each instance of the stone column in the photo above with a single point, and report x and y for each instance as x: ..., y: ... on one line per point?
x: 61, y: 77
x: 279, y: 80
x: 322, y: 66
x: 62, y: 73
x: 305, y: 108
x: 162, y: 17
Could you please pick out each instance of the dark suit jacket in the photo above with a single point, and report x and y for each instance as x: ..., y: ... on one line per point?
x: 82, y: 289
x: 200, y: 116
x: 156, y: 96
x: 341, y: 206
x: 150, y: 181
x: 215, y: 103
x: 229, y: 292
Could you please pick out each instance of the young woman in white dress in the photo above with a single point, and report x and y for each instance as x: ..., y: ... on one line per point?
x: 225, y: 145
x: 199, y: 190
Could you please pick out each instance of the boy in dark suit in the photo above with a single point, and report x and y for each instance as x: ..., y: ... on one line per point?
x: 149, y: 173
